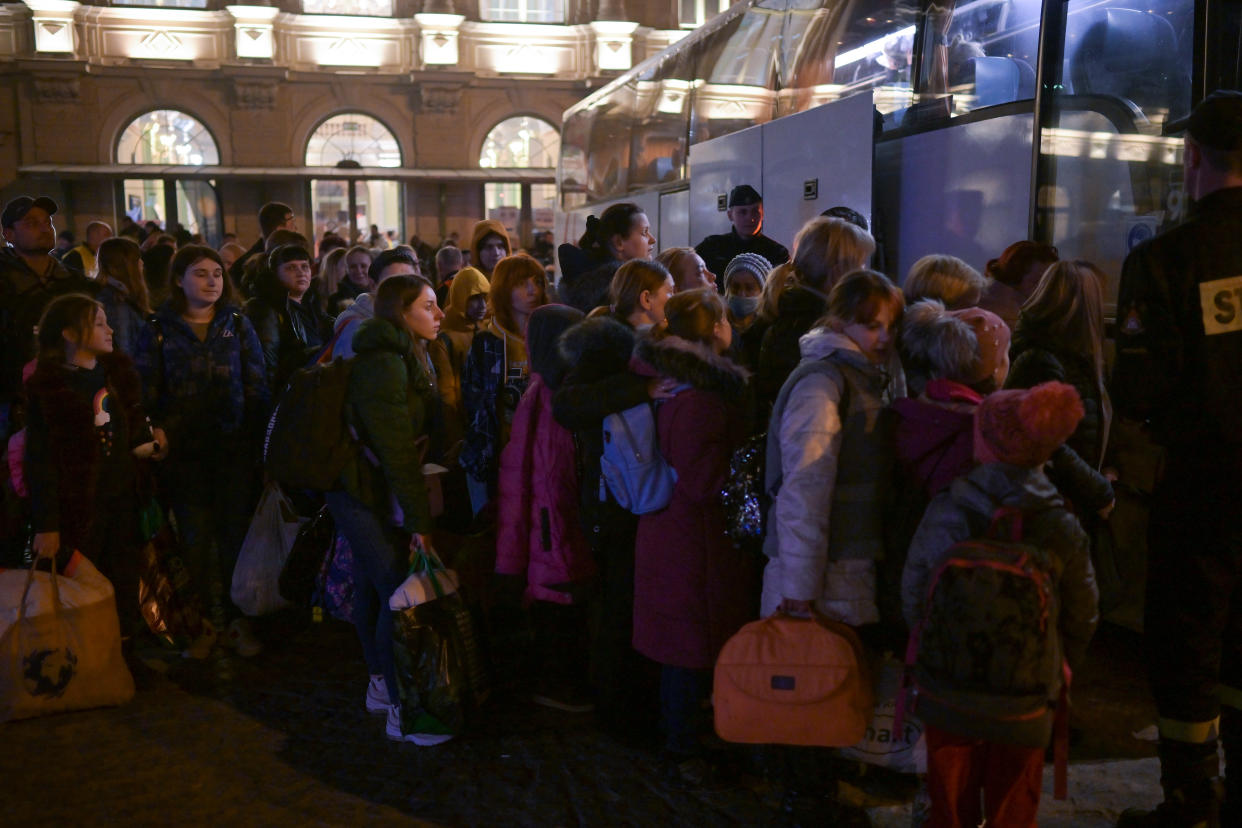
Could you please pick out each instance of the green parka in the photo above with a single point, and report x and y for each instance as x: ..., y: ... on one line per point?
x: 389, y: 404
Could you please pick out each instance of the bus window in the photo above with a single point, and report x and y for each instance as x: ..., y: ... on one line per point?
x: 608, y: 151
x: 1108, y: 177
x: 851, y: 48
x: 1136, y: 52
x: 982, y: 52
x: 735, y: 78
x: 659, y: 136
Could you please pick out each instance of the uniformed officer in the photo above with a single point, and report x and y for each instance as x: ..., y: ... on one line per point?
x: 1179, y: 367
x: 746, y: 215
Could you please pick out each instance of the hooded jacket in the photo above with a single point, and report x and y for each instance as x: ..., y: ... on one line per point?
x: 935, y: 433
x: 348, y: 322
x: 482, y: 230
x: 457, y: 328
x: 538, y: 531
x: 693, y: 587
x: 389, y: 404
x: 829, y: 478
x: 964, y: 511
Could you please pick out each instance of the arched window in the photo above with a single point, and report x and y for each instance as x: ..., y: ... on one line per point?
x: 167, y: 137
x: 353, y: 137
x: 520, y: 142
x: 350, y: 207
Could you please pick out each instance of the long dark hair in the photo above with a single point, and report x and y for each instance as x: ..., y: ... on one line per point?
x: 617, y: 220
x: 74, y: 312
x: 120, y: 258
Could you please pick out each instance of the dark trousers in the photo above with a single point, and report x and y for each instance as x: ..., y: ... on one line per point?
x: 960, y: 771
x: 627, y: 683
x: 212, y: 499
x: 1193, y: 625
x: 682, y: 715
x: 381, y: 562
x: 561, y: 643
x: 113, y: 547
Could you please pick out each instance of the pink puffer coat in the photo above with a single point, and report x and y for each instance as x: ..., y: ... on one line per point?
x: 538, y: 530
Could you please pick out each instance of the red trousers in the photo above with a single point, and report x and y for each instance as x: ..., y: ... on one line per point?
x: 960, y: 771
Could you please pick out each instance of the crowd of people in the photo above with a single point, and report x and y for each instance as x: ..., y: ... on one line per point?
x: 895, y: 423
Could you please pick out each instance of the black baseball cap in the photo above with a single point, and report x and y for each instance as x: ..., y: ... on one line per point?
x: 17, y: 209
x: 744, y: 194
x: 1217, y: 121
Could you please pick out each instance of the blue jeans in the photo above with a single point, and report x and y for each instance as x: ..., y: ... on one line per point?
x: 381, y: 562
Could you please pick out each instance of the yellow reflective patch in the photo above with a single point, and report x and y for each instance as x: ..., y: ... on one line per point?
x: 1229, y: 696
x: 1221, y: 303
x: 1195, y: 733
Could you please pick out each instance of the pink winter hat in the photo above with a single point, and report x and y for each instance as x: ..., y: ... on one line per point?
x: 993, y: 336
x: 1023, y: 427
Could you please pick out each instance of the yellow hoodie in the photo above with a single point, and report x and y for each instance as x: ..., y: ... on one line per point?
x: 448, y: 353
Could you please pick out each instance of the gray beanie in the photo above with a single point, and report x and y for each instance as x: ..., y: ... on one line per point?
x: 750, y: 263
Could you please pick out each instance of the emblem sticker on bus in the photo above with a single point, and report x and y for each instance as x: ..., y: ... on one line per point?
x: 1221, y: 301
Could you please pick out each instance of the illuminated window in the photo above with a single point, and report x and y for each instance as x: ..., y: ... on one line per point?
x: 353, y: 137
x: 166, y: 136
x: 523, y: 11
x: 521, y: 142
x: 363, y: 8
x: 350, y: 141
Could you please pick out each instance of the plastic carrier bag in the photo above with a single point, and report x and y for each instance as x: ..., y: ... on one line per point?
x: 256, y: 577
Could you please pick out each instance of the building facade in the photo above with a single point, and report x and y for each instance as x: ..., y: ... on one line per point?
x: 416, y: 116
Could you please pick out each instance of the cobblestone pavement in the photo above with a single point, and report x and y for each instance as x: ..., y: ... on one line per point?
x: 283, y: 740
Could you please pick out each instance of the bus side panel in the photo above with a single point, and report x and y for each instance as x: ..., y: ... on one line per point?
x: 963, y: 190
x: 716, y: 167
x: 674, y: 227
x: 814, y: 160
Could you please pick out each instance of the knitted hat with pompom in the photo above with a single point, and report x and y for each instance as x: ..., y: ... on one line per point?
x: 1023, y: 427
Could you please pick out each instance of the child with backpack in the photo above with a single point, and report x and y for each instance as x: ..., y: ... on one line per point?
x: 693, y: 588
x: 538, y: 529
x: 1000, y: 593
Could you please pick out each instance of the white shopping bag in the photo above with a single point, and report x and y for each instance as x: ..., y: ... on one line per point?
x: 256, y: 577
x: 904, y: 752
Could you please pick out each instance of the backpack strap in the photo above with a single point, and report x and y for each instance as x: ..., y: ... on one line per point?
x: 1060, y: 736
x: 154, y: 321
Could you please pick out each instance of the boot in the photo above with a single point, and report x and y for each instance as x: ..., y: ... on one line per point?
x: 1191, y: 794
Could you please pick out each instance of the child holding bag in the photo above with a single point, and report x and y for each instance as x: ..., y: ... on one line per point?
x: 85, y: 427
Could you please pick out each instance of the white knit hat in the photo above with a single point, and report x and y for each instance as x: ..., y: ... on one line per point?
x: 750, y: 263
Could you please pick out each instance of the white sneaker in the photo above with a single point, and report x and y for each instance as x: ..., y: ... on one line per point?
x: 201, y: 647
x: 392, y: 729
x: 377, y: 695
x: 240, y: 637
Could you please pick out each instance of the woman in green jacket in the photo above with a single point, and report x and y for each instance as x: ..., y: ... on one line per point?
x: 381, y: 503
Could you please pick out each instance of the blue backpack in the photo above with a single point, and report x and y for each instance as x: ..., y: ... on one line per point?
x: 640, y: 479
